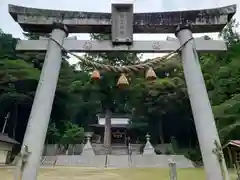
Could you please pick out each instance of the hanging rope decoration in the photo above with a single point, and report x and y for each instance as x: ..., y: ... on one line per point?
x: 150, y: 74
x: 95, y: 75
x: 122, y: 82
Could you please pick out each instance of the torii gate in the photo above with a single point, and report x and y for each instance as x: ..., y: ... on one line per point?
x: 122, y: 23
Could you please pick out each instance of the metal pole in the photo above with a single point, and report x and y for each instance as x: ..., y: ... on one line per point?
x: 201, y: 107
x: 42, y: 106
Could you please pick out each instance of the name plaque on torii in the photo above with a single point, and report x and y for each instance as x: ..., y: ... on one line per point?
x: 122, y: 23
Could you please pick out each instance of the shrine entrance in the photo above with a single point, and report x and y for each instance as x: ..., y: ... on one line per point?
x: 119, y: 136
x: 122, y: 23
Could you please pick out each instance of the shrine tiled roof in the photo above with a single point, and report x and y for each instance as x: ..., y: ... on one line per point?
x: 115, y: 116
x: 113, y: 125
x: 5, y: 138
x: 233, y: 143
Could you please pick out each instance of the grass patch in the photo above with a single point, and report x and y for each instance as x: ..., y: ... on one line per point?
x: 78, y: 173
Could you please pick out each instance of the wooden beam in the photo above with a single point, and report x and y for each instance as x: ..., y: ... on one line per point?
x: 230, y: 157
x: 106, y: 46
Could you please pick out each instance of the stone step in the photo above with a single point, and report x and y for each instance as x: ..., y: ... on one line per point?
x: 160, y: 161
x: 119, y: 147
x: 119, y: 152
x: 49, y: 160
x: 120, y: 161
x: 95, y: 161
x: 116, y: 149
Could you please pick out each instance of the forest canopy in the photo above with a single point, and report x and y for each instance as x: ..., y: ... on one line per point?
x: 160, y: 108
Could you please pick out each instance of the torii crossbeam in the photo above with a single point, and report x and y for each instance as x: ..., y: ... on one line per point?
x: 122, y: 23
x: 41, y: 20
x: 106, y: 46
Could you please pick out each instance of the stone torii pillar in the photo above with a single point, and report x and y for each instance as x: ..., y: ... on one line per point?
x: 42, y: 106
x: 201, y: 107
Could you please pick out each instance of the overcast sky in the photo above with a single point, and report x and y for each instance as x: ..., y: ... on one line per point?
x: 8, y: 25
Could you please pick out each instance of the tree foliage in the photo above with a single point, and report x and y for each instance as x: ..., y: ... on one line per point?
x: 159, y: 107
x: 73, y: 134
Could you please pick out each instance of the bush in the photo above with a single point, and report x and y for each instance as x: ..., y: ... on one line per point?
x: 169, y: 150
x: 194, y: 155
x: 158, y: 151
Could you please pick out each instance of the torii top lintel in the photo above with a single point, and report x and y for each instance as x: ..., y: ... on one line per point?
x: 41, y: 20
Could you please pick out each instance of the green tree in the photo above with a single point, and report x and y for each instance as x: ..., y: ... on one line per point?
x: 162, y: 103
x: 73, y: 134
x: 229, y: 33
x: 53, y: 134
x: 7, y: 46
x: 108, y: 93
x: 222, y: 74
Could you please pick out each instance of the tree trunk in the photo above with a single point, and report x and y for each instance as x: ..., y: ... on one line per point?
x: 161, y: 136
x: 107, y: 129
x: 73, y: 149
x: 15, y: 122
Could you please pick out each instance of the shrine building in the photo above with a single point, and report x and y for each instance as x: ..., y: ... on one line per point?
x: 121, y: 130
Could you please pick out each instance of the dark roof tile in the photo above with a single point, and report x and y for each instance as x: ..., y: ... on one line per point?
x: 7, y: 139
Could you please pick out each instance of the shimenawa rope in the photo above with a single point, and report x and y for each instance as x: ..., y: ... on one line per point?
x: 121, y: 69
